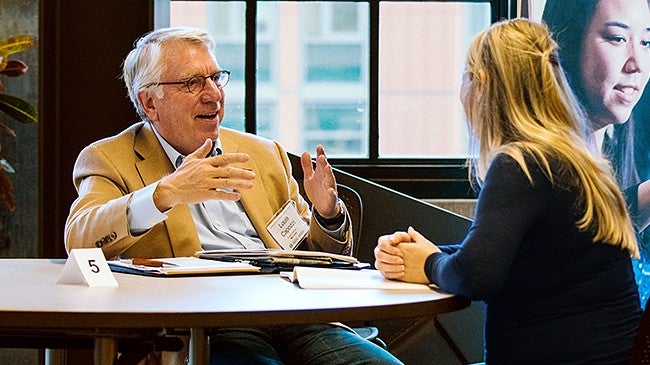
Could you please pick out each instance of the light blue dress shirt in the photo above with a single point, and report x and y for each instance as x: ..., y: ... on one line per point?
x: 220, y: 224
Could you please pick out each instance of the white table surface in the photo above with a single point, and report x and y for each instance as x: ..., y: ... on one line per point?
x: 31, y: 301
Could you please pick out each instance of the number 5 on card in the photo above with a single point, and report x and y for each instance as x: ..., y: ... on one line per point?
x: 87, y: 266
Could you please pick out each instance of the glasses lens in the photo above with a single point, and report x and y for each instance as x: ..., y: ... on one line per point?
x: 194, y: 84
x: 222, y: 78
x: 197, y: 83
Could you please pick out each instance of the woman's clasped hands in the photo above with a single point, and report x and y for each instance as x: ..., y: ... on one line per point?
x: 402, y: 255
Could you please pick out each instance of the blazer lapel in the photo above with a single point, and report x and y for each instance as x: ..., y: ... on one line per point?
x: 155, y: 164
x: 254, y: 200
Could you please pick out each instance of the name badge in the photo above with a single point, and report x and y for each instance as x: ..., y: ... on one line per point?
x: 287, y: 226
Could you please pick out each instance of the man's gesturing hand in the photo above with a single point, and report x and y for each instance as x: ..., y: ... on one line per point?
x: 320, y: 184
x: 201, y: 178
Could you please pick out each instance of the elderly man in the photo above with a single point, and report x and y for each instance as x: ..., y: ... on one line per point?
x: 177, y: 182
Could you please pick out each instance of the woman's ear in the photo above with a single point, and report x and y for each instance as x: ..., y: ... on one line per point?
x: 146, y: 98
x: 481, y: 81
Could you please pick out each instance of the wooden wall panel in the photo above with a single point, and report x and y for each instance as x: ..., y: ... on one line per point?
x: 82, y: 99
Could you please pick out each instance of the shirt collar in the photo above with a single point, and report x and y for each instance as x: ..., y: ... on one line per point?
x: 171, y: 152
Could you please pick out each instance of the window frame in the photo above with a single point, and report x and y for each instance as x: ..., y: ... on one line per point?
x: 429, y: 178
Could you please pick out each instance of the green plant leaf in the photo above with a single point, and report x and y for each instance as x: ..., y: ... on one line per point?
x: 18, y: 109
x: 12, y: 45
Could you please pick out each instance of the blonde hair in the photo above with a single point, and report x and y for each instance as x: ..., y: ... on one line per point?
x: 518, y: 102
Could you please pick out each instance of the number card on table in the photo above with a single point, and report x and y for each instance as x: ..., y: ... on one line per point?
x: 87, y: 266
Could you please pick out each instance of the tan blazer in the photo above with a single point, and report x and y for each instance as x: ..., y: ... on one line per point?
x: 108, y: 171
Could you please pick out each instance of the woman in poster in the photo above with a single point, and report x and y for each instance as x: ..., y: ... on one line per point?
x: 605, y: 50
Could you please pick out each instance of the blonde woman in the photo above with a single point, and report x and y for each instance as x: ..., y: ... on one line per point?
x: 549, y: 249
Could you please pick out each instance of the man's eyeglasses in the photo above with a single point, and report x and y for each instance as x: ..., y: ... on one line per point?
x: 197, y: 83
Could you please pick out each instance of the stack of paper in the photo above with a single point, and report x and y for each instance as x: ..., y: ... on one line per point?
x: 180, y: 266
x: 322, y: 278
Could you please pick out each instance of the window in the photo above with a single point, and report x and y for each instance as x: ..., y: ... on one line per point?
x: 336, y: 126
x: 375, y: 82
x: 421, y: 57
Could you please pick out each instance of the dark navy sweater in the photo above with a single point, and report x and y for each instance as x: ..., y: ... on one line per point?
x: 553, y: 295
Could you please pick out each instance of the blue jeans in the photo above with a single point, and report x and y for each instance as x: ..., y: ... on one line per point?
x: 318, y: 344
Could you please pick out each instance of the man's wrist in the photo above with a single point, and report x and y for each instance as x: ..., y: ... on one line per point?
x: 161, y: 197
x: 337, y: 219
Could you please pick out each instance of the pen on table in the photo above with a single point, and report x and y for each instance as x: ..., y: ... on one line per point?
x: 151, y: 262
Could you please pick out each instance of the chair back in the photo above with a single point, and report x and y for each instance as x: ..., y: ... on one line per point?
x: 641, y: 347
x: 385, y: 211
x: 350, y: 197
x: 354, y: 204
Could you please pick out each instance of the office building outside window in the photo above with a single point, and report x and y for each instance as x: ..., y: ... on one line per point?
x: 313, y: 72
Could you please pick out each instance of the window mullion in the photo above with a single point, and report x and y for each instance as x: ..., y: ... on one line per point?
x: 250, y: 84
x: 373, y: 69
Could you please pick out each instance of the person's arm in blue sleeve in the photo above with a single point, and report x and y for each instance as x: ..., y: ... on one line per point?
x: 506, y: 208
